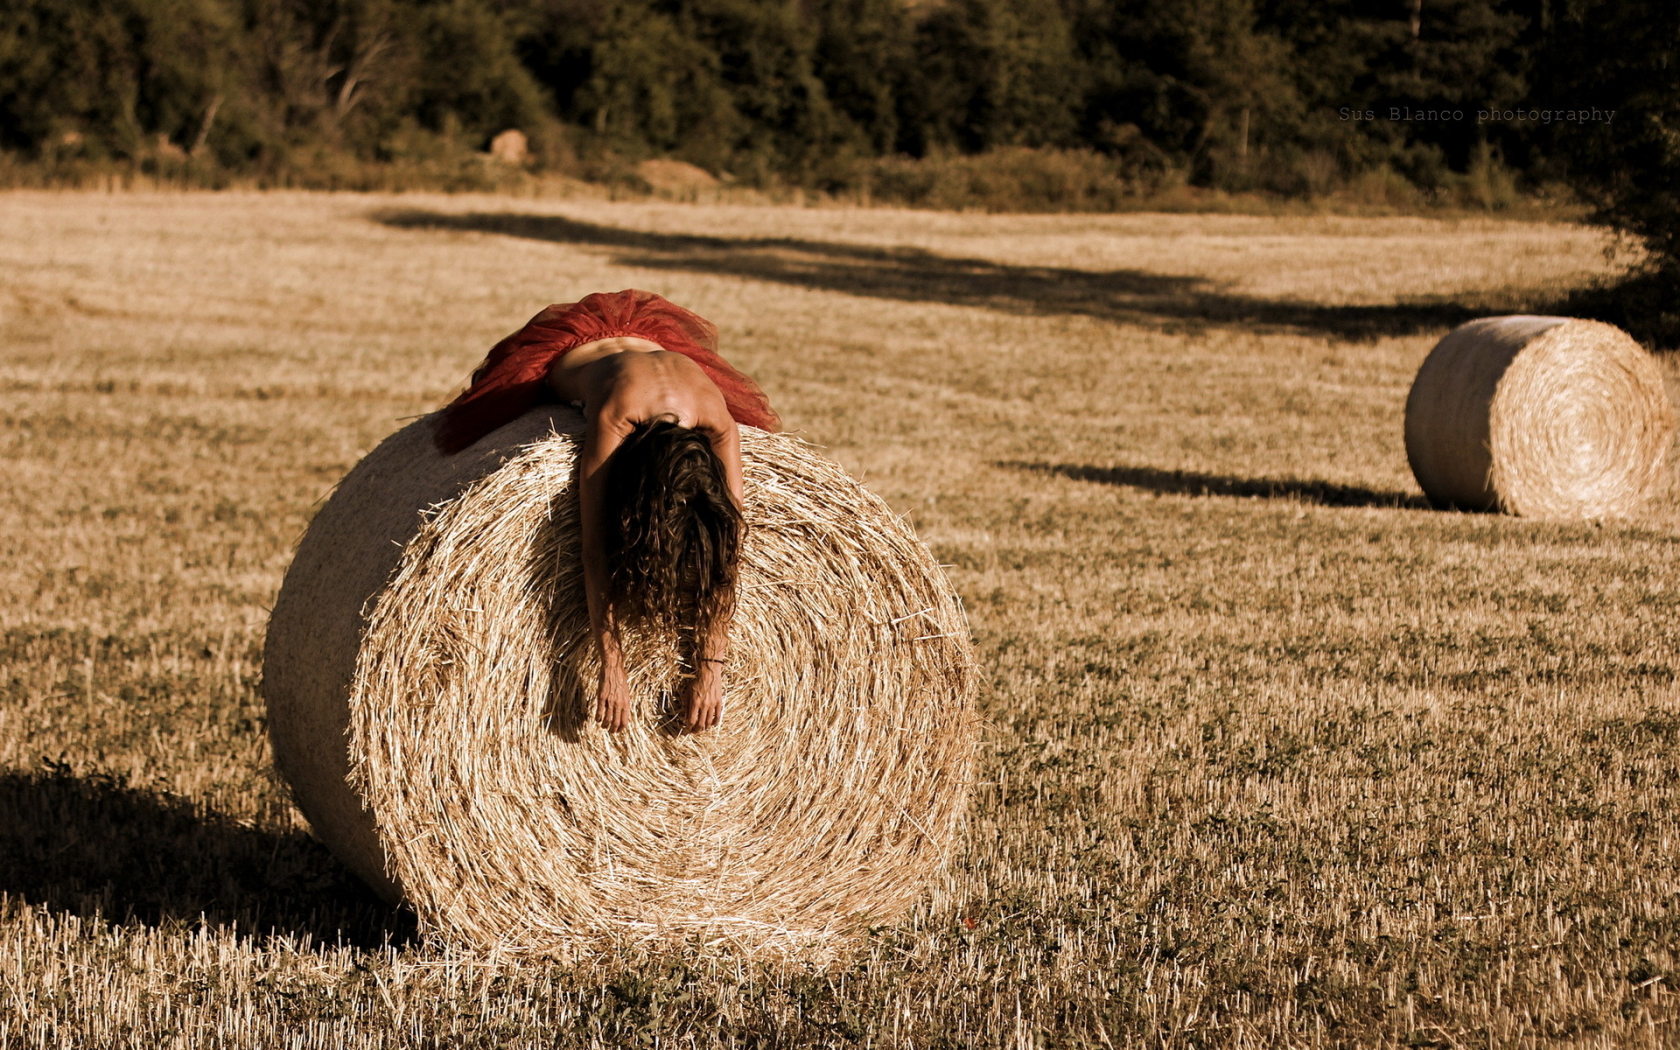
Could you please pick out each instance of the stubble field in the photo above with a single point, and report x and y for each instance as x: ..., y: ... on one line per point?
x: 1275, y: 755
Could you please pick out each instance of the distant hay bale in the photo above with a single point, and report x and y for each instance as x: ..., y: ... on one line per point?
x: 510, y: 147
x: 440, y: 742
x: 1545, y: 417
x: 676, y: 178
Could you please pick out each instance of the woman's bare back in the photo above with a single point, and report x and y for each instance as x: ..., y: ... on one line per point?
x: 623, y: 381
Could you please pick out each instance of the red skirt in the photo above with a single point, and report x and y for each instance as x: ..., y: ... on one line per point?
x: 514, y: 378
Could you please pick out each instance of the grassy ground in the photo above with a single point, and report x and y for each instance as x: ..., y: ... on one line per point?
x: 1276, y: 756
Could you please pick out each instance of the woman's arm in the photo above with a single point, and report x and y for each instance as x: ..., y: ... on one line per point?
x: 726, y: 442
x: 705, y: 689
x: 705, y: 693
x: 612, y: 709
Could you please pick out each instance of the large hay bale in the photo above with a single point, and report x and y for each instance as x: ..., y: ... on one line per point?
x: 430, y: 679
x: 1540, y: 416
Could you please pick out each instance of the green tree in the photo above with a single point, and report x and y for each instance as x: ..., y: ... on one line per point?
x: 468, y: 70
x: 1405, y: 63
x: 995, y: 73
x: 1623, y: 57
x: 630, y: 73
x: 765, y: 54
x: 1199, y: 78
x: 865, y: 58
x: 110, y: 78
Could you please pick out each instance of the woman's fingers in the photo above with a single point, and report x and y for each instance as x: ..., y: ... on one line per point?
x: 705, y: 707
x: 612, y: 709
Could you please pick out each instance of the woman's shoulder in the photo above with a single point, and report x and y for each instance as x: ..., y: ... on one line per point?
x: 643, y: 387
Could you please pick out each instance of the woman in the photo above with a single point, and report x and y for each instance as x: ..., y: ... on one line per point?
x: 659, y: 474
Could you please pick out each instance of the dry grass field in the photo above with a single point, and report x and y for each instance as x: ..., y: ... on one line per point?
x: 1276, y: 756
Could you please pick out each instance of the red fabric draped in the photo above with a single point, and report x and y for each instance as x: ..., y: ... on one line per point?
x: 514, y: 378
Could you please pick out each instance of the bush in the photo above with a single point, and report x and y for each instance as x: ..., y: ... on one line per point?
x: 1014, y: 178
x: 1064, y: 104
x: 1621, y: 56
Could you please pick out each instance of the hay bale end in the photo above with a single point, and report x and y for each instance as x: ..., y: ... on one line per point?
x: 1548, y: 417
x: 429, y: 678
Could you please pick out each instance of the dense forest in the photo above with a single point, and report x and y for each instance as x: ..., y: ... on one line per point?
x: 1485, y: 98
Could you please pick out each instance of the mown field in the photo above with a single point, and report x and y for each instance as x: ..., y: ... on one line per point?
x: 1276, y: 756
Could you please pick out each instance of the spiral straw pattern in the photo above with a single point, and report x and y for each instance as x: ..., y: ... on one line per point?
x: 472, y: 782
x: 1545, y: 417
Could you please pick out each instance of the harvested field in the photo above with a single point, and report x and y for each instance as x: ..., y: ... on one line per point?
x: 1275, y: 755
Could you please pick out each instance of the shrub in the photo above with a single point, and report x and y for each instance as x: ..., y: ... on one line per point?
x: 1015, y: 178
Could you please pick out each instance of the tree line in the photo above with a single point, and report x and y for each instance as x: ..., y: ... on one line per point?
x: 1284, y: 96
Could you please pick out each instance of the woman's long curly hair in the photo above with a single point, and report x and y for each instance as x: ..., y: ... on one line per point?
x: 672, y: 531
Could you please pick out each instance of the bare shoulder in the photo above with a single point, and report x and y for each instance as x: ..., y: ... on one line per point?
x: 642, y: 387
x: 586, y: 372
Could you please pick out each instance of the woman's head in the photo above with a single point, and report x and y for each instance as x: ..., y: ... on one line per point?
x: 672, y: 532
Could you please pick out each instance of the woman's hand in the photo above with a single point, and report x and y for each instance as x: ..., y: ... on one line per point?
x: 705, y: 697
x: 612, y: 710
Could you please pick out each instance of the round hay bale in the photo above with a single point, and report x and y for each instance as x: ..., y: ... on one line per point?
x: 1546, y: 417
x: 430, y: 681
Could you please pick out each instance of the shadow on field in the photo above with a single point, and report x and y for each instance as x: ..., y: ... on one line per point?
x: 1192, y: 483
x: 1642, y: 302
x: 91, y: 845
x: 914, y: 275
